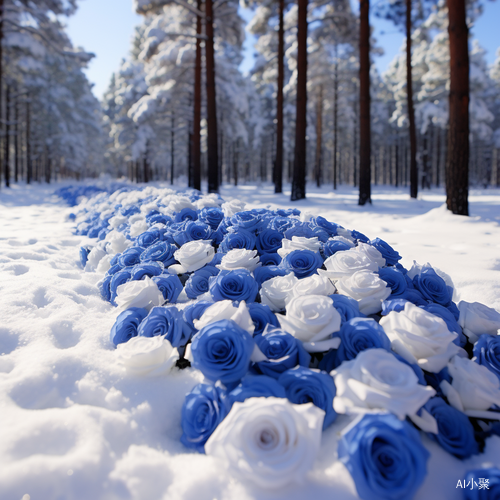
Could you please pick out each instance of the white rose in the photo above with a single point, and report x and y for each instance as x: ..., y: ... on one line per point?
x: 474, y: 388
x: 274, y: 292
x: 138, y: 228
x: 117, y: 220
x: 312, y: 319
x: 420, y: 337
x: 147, y: 355
x: 229, y: 208
x: 208, y: 200
x: 224, y: 309
x: 239, y: 258
x: 371, y: 252
x: 313, y: 285
x: 298, y: 243
x: 192, y: 256
x: 477, y: 319
x: 377, y: 380
x: 143, y: 293
x: 117, y: 241
x: 178, y: 203
x: 345, y: 263
x: 268, y: 441
x: 365, y: 287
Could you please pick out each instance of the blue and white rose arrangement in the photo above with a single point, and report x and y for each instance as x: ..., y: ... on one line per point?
x: 294, y: 320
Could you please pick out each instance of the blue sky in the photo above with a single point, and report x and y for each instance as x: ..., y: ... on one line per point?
x: 105, y: 27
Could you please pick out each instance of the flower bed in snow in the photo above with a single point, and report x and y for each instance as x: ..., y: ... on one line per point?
x: 292, y: 320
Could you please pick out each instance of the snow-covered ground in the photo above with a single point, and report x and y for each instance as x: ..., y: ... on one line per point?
x: 74, y: 426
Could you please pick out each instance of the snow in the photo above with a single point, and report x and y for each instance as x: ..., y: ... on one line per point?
x: 75, y: 426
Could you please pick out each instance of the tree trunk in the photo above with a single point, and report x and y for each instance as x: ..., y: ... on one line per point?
x: 425, y: 161
x: 212, y: 149
x: 299, y: 167
x: 411, y: 109
x: 235, y: 162
x: 172, y: 148
x: 319, y: 133
x: 196, y: 178
x: 6, y: 158
x: 16, y: 141
x: 278, y: 164
x: 355, y: 145
x: 457, y: 167
x: 29, y: 171
x: 335, y: 115
x: 364, y: 104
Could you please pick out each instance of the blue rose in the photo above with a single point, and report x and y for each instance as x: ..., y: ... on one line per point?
x: 330, y: 227
x: 131, y: 256
x: 104, y: 289
x: 283, y: 350
x: 222, y: 351
x: 84, y: 254
x: 118, y: 279
x: 414, y: 296
x: 261, y: 316
x: 216, y: 260
x: 347, y: 307
x: 169, y: 285
x: 360, y: 334
x: 256, y: 386
x: 167, y: 322
x: 149, y: 237
x: 186, y: 214
x: 302, y: 263
x: 473, y: 480
x: 359, y: 237
x: 281, y: 224
x: 385, y: 457
x: 160, y: 252
x: 303, y: 385
x: 265, y: 273
x: 456, y: 433
x: 195, y: 311
x: 114, y: 269
x: 237, y: 238
x: 126, y: 325
x: 193, y: 231
x: 211, y: 216
x: 159, y: 218
x: 197, y: 284
x: 394, y: 279
x: 127, y: 212
x: 269, y: 241
x: 487, y: 352
x: 287, y: 212
x: 304, y: 230
x: 388, y: 253
x: 389, y: 305
x: 270, y: 259
x: 432, y: 287
x: 331, y: 247
x: 250, y: 220
x: 139, y: 271
x: 204, y: 408
x: 238, y: 285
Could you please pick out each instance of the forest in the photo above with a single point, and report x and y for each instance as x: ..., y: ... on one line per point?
x: 313, y: 108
